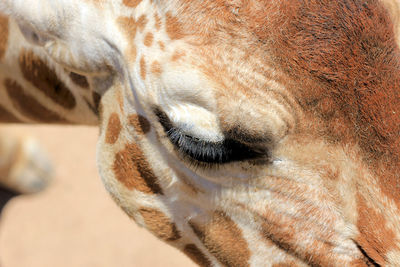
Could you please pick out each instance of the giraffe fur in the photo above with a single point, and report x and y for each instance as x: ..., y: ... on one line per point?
x: 243, y: 133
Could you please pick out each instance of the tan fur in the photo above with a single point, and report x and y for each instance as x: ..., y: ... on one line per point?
x: 3, y: 35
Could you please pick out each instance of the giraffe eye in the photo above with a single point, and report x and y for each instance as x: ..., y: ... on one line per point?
x: 203, y: 151
x: 221, y: 152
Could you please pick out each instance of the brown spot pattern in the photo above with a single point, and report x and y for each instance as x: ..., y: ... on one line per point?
x: 177, y: 55
x: 132, y: 169
x: 141, y: 22
x: 3, y: 35
x: 141, y: 124
x: 376, y: 239
x: 113, y: 129
x: 45, y: 79
x: 156, y: 68
x: 131, y: 3
x: 143, y: 71
x: 148, y: 39
x: 79, y: 80
x: 29, y: 106
x: 195, y: 254
x: 157, y: 22
x: 159, y: 224
x: 162, y: 45
x: 223, y: 238
x: 129, y: 26
x: 6, y: 116
x: 173, y: 27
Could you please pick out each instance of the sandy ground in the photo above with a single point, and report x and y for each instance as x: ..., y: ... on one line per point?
x: 74, y: 222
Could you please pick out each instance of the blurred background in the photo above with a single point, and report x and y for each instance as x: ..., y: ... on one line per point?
x: 74, y: 222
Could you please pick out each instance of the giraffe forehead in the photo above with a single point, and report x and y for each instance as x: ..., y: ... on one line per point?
x: 219, y: 79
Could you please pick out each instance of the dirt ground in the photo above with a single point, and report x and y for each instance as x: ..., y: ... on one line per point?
x: 74, y: 222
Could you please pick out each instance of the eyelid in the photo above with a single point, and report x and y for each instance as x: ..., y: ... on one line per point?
x: 222, y: 152
x: 195, y: 148
x: 225, y: 151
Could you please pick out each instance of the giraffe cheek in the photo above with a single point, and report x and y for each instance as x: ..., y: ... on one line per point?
x: 134, y: 172
x: 224, y: 239
x: 159, y: 224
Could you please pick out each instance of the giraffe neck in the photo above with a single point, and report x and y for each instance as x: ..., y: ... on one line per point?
x: 35, y: 89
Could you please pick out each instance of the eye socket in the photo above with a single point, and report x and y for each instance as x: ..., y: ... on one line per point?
x: 202, y: 151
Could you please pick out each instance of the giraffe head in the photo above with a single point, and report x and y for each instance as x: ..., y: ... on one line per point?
x: 242, y: 132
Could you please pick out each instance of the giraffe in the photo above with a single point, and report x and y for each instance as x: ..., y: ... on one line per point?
x: 242, y: 132
x: 29, y: 80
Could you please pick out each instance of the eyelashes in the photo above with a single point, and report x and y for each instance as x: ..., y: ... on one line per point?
x: 202, y: 151
x: 225, y: 151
